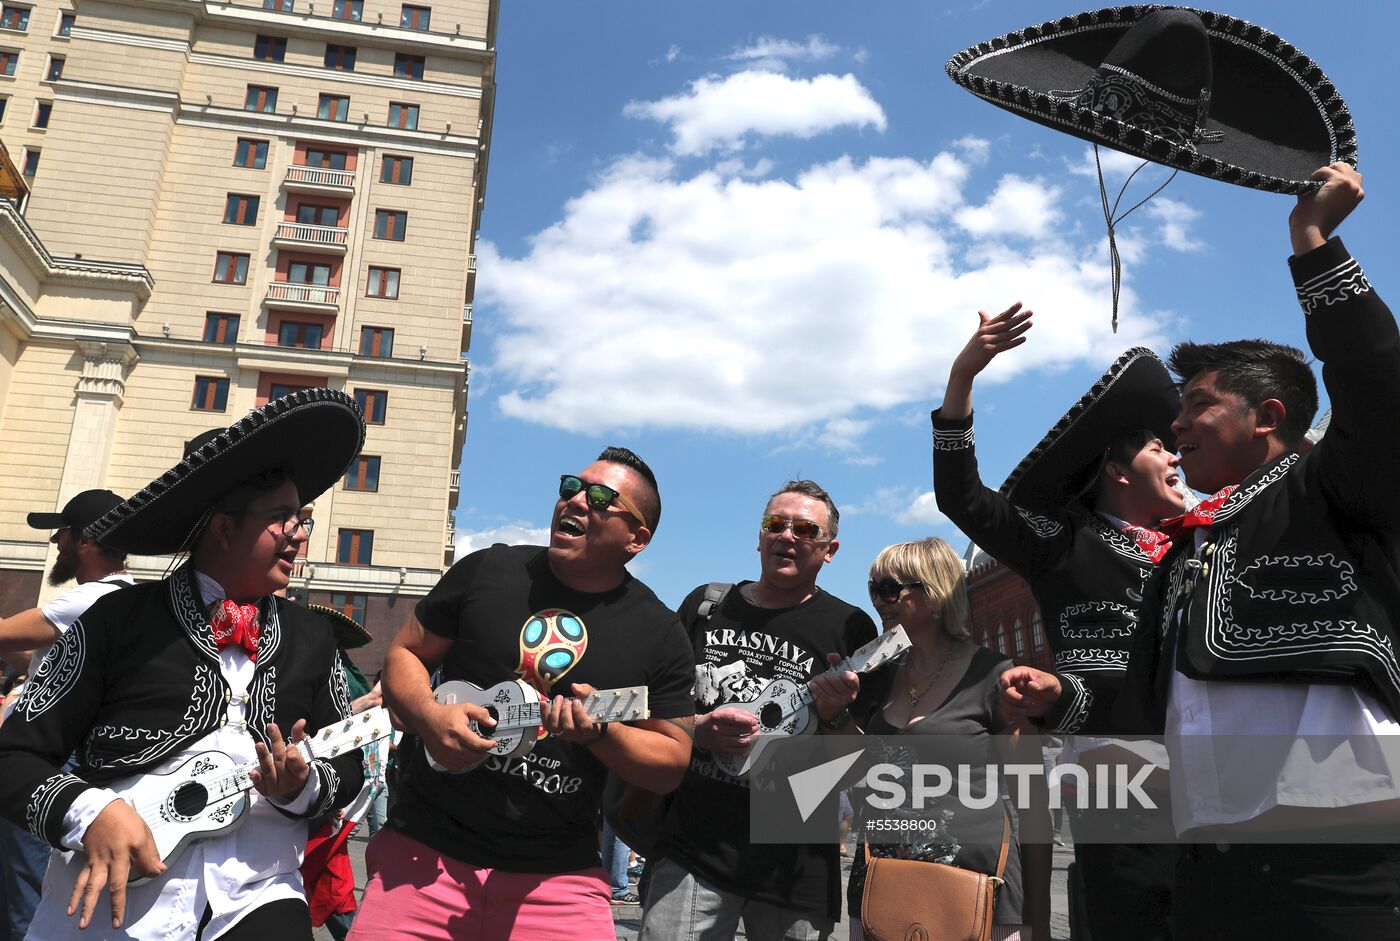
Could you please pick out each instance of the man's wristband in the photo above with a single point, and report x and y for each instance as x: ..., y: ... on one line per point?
x: 602, y: 734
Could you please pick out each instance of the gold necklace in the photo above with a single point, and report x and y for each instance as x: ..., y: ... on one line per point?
x: 915, y: 697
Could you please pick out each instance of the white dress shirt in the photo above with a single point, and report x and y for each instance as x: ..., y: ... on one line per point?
x: 231, y: 873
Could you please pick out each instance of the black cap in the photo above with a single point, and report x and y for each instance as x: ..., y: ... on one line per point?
x: 78, y: 513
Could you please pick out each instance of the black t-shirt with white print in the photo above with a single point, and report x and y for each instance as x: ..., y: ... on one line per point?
x: 511, y: 618
x: 739, y: 650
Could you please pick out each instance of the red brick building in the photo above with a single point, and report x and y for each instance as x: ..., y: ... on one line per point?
x: 1004, y: 614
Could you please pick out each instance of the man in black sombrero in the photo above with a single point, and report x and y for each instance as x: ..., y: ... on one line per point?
x: 1077, y: 519
x: 207, y: 659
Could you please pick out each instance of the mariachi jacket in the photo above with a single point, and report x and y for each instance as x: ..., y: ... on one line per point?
x: 137, y: 678
x: 1089, y: 578
x: 1299, y: 579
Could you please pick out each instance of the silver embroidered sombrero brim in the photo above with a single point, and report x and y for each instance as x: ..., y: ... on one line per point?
x: 349, y: 633
x: 1137, y: 392
x: 312, y: 435
x: 1199, y: 91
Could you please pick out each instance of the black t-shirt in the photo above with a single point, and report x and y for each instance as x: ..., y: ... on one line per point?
x: 509, y: 616
x: 738, y: 651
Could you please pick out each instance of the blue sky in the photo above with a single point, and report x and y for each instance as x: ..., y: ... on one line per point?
x: 746, y: 240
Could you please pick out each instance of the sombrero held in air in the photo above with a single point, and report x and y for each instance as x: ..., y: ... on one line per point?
x: 1199, y: 91
x: 311, y: 435
x: 1136, y: 392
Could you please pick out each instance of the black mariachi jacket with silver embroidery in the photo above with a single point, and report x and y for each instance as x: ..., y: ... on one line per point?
x: 1299, y: 580
x: 137, y: 678
x: 1088, y: 577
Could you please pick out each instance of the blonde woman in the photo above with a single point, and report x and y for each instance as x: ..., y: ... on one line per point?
x: 947, y: 685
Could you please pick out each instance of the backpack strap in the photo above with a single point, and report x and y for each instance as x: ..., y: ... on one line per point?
x: 715, y: 593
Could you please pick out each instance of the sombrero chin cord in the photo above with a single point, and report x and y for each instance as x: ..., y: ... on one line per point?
x: 1112, y: 223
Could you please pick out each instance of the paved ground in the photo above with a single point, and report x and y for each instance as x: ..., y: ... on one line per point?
x: 628, y: 918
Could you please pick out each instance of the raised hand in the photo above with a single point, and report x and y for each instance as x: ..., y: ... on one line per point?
x: 727, y: 730
x: 116, y: 842
x: 994, y: 335
x: 1318, y: 213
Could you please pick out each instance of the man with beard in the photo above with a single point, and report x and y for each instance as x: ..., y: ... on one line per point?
x: 28, y: 636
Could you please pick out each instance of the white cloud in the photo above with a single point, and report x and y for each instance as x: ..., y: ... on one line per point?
x: 720, y: 112
x: 673, y: 53
x: 519, y: 533
x: 973, y: 149
x: 770, y: 49
x: 905, y: 505
x: 805, y: 307
x: 923, y: 509
x: 1175, y: 220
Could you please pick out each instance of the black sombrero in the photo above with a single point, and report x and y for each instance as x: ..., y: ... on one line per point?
x: 311, y: 434
x: 349, y: 633
x: 1137, y: 392
x: 1191, y: 89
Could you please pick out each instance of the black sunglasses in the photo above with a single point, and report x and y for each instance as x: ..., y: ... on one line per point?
x: 599, y: 496
x: 888, y: 590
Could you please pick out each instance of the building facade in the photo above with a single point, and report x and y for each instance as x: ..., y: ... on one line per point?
x: 1003, y: 613
x: 281, y: 194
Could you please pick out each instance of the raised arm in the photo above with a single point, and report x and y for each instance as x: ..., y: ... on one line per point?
x: 994, y: 336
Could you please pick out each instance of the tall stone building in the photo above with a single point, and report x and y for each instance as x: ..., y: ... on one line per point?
x: 228, y: 201
x: 1003, y: 613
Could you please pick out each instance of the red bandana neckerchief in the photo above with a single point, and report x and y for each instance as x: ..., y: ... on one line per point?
x: 233, y: 623
x: 1157, y: 542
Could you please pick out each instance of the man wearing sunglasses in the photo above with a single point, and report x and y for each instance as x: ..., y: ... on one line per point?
x: 710, y: 876
x: 510, y: 848
x: 1078, y: 519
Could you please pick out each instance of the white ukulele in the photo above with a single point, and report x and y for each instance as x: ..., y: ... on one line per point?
x: 784, y: 707
x: 517, y: 706
x: 208, y: 794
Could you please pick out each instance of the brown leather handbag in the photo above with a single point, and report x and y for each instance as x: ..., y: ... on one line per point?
x: 909, y: 900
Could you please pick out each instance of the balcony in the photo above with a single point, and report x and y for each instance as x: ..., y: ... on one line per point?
x: 451, y: 542
x: 301, y: 179
x: 471, y: 275
x: 318, y: 297
x: 454, y: 480
x: 466, y: 326
x: 311, y: 238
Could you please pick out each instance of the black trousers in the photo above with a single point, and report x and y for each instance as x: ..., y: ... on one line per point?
x: 1288, y: 892
x: 1127, y: 885
x: 282, y: 920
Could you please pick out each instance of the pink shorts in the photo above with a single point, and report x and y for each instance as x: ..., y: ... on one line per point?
x: 416, y: 892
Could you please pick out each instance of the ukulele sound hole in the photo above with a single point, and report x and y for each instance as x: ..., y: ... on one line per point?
x: 495, y: 716
x: 770, y: 715
x: 190, y: 798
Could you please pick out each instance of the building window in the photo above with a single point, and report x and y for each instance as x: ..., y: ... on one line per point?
x: 307, y: 272
x: 404, y: 116
x: 348, y: 10
x: 340, y: 57
x: 377, y: 341
x: 363, y: 474
x: 269, y: 48
x: 407, y: 66
x: 355, y: 547
x: 390, y: 224
x: 221, y: 328
x: 42, y: 111
x: 396, y: 170
x: 302, y: 336
x: 1018, y: 638
x: 383, y: 282
x: 261, y: 98
x: 210, y: 394
x: 333, y: 108
x: 9, y: 58
x: 374, y: 403
x: 31, y: 161
x: 240, y: 209
x: 312, y: 214
x: 1000, y: 646
x: 1037, y: 632
x: 15, y: 18
x: 278, y: 6
x: 280, y: 390
x: 55, y: 71
x: 4, y: 102
x: 326, y: 159
x: 65, y: 24
x: 415, y: 17
x: 231, y: 268
x: 352, y: 606
x: 250, y: 153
